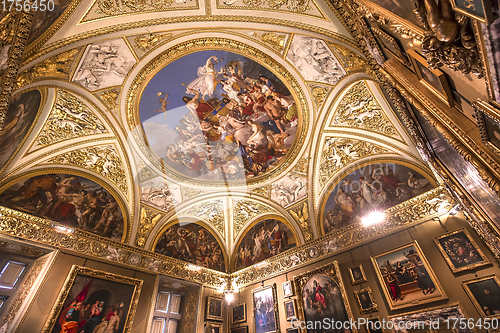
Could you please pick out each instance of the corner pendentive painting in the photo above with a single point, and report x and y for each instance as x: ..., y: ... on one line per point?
x: 372, y: 187
x: 21, y: 113
x: 406, y: 277
x: 95, y: 302
x: 70, y: 200
x: 217, y: 115
x: 192, y: 243
x: 265, y: 239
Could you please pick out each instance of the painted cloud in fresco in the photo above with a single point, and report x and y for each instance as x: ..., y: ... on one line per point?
x: 314, y: 60
x: 104, y: 64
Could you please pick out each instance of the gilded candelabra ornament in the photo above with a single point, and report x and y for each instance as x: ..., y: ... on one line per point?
x: 110, y: 98
x: 301, y: 214
x: 148, y: 219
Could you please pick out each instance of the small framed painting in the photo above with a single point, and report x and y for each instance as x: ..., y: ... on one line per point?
x: 292, y: 330
x: 214, y: 308
x: 391, y: 45
x: 488, y: 120
x: 433, y: 79
x: 288, y: 289
x: 484, y: 292
x: 460, y: 251
x: 239, y: 313
x: 265, y: 310
x: 365, y: 300
x: 476, y: 9
x: 242, y: 329
x: 213, y: 327
x: 357, y: 274
x: 290, y: 309
x: 374, y: 325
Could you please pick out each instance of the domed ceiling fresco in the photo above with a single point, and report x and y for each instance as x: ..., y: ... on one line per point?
x: 217, y: 115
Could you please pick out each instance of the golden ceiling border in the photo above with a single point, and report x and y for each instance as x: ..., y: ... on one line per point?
x: 256, y: 7
x: 44, y: 96
x: 173, y: 53
x: 127, y: 218
x: 37, y: 230
x: 32, y: 55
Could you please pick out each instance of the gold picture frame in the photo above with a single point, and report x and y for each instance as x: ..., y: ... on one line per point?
x: 470, y: 255
x: 357, y: 274
x: 365, y: 300
x: 486, y: 303
x: 488, y: 121
x: 288, y: 290
x: 240, y: 315
x: 433, y: 79
x: 391, y: 45
x: 290, y: 309
x: 475, y: 9
x: 410, y: 284
x: 331, y: 274
x: 214, y: 308
x: 372, y: 328
x: 258, y: 295
x: 87, y: 276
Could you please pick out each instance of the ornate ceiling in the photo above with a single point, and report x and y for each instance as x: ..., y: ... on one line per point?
x: 98, y: 69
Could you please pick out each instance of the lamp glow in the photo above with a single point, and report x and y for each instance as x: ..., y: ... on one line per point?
x: 229, y: 296
x: 373, y: 218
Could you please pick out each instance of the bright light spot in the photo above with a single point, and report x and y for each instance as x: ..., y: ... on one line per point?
x: 192, y: 267
x: 261, y: 264
x: 454, y: 210
x: 64, y: 230
x: 229, y: 296
x: 373, y: 218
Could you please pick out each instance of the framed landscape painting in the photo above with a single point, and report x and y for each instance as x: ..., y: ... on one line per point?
x: 460, y: 251
x: 265, y: 309
x: 94, y: 300
x: 406, y: 277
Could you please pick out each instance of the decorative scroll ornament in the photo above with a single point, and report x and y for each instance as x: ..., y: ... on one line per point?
x: 338, y: 152
x: 275, y: 41
x: 297, y: 6
x: 209, y: 211
x: 301, y: 214
x: 189, y: 192
x: 70, y: 118
x: 103, y: 160
x: 56, y: 67
x: 148, y: 219
x: 449, y: 38
x: 359, y: 109
x: 351, y: 60
x: 189, y: 313
x: 245, y: 210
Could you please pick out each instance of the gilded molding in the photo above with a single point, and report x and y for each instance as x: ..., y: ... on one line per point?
x: 69, y: 118
x: 22, y: 250
x: 211, y: 212
x: 273, y: 40
x: 189, y: 314
x: 14, y: 27
x: 149, y: 218
x: 245, y: 210
x: 189, y: 192
x: 399, y: 217
x: 57, y: 67
x: 143, y: 44
x: 300, y: 7
x: 103, y: 160
x: 41, y: 231
x: 300, y: 213
x: 351, y: 60
x: 110, y: 98
x: 262, y: 191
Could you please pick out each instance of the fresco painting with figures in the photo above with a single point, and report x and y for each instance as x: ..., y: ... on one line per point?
x: 369, y: 188
x: 217, y: 115
x: 192, y: 243
x: 67, y: 199
x: 265, y: 239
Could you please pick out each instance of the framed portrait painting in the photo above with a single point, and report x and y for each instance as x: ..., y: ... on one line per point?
x: 265, y: 310
x: 433, y: 79
x: 242, y: 329
x: 239, y: 313
x: 323, y: 296
x: 288, y: 289
x: 357, y: 274
x: 365, y: 300
x: 460, y: 251
x: 406, y: 277
x: 374, y: 325
x: 484, y: 292
x: 214, y: 308
x: 290, y: 310
x: 94, y: 300
x: 488, y: 120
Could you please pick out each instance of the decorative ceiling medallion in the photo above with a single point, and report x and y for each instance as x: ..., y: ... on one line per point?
x: 217, y: 111
x: 104, y: 64
x: 105, y: 9
x: 69, y: 118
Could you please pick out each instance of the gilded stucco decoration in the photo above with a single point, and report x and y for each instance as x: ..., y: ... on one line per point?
x: 143, y: 44
x: 359, y: 109
x: 319, y: 95
x: 211, y: 211
x: 303, y: 7
x: 103, y: 160
x: 245, y: 210
x: 69, y: 118
x: 110, y: 98
x: 340, y: 151
x: 300, y: 213
x: 189, y: 192
x: 57, y: 67
x: 352, y: 61
x: 289, y: 189
x: 106, y: 9
x: 274, y: 40
x: 104, y: 64
x: 189, y: 314
x: 262, y: 191
x: 22, y: 249
x: 301, y: 166
x: 160, y: 194
x: 148, y: 219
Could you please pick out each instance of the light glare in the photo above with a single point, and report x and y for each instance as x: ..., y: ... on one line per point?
x: 373, y: 218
